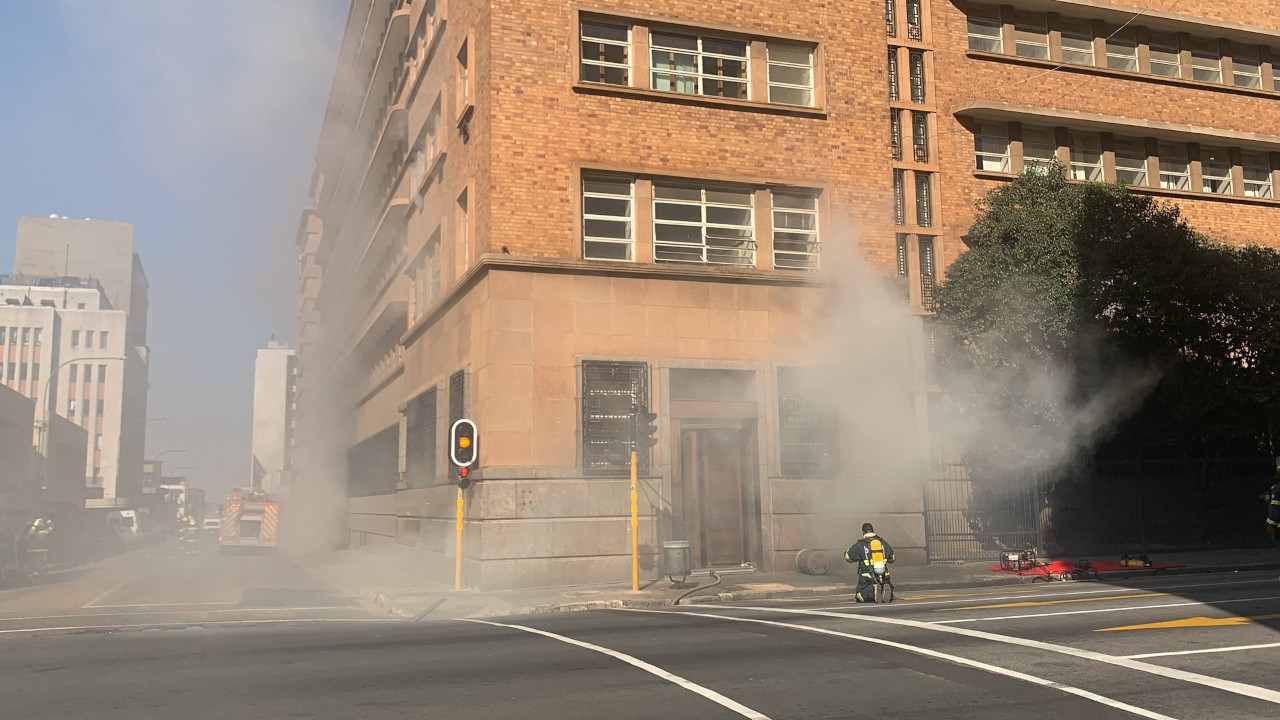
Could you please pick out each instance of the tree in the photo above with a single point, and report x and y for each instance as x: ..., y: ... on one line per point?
x: 1089, y: 324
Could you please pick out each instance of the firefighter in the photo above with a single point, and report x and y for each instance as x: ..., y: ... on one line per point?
x: 871, y: 553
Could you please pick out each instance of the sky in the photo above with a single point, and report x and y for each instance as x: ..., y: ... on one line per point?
x: 196, y: 121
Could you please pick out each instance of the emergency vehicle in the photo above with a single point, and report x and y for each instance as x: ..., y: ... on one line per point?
x: 250, y: 518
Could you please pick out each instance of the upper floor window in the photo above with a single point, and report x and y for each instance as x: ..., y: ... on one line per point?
x: 1257, y: 175
x: 790, y: 73
x: 795, y: 230
x: 102, y: 340
x: 991, y: 146
x: 895, y: 133
x: 1175, y: 170
x: 924, y: 199
x: 1165, y: 55
x: 75, y: 338
x: 916, y: 60
x: 1122, y: 51
x: 426, y: 276
x: 1215, y: 170
x: 695, y: 65
x: 1246, y: 69
x: 1131, y: 161
x: 1206, y: 62
x: 1077, y: 43
x: 703, y: 224
x: 607, y: 204
x: 606, y: 53
x: 1031, y: 35
x: 1039, y: 149
x: 920, y: 136
x: 915, y: 19
x: 611, y: 392
x: 1086, y: 157
x: 899, y: 198
x: 984, y: 34
x: 891, y: 17
x: 894, y: 82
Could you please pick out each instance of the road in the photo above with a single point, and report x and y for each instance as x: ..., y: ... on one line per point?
x: 154, y: 634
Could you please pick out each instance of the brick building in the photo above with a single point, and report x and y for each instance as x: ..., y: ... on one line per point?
x: 542, y: 213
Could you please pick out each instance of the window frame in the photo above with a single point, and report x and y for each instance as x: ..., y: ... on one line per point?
x: 1080, y: 169
x: 630, y: 242
x: 1216, y: 184
x: 704, y: 225
x: 1122, y: 39
x: 770, y: 63
x: 1254, y: 62
x: 916, y: 59
x: 925, y: 214
x: 813, y: 245
x: 1023, y: 19
x: 1201, y: 51
x: 1261, y: 189
x: 1037, y: 163
x: 981, y: 155
x: 1182, y: 179
x: 1142, y: 177
x: 984, y: 21
x: 700, y: 54
x: 1076, y: 30
x: 595, y: 442
x: 628, y: 50
x: 1159, y: 43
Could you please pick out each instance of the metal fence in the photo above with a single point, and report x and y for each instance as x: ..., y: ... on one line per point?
x: 965, y: 525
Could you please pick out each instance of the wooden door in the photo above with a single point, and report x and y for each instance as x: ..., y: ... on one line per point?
x: 720, y: 502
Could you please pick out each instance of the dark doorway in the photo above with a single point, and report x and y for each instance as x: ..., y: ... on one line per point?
x: 716, y: 496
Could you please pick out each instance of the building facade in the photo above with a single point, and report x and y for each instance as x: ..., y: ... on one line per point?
x: 274, y: 384
x: 545, y: 216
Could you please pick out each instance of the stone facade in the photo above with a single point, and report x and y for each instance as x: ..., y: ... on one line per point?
x: 445, y: 270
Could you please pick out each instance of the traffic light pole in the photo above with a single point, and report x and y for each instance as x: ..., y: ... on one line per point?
x: 635, y: 525
x: 457, y: 545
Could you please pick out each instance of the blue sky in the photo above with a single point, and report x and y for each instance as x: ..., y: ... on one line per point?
x: 195, y: 121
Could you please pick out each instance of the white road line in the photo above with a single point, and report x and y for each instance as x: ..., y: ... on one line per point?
x: 1105, y: 610
x: 159, y: 605
x: 164, y: 626
x: 1028, y: 596
x: 172, y: 612
x: 1239, y: 688
x: 103, y: 595
x: 689, y: 685
x: 994, y: 669
x: 1201, y: 652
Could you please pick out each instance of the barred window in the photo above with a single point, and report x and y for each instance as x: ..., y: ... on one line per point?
x: 920, y: 136
x: 891, y: 17
x: 895, y: 133
x: 924, y: 199
x: 904, y: 268
x: 421, y: 441
x: 611, y: 393
x: 806, y: 426
x: 893, y: 75
x: 606, y: 53
x: 916, y: 58
x: 928, y: 273
x: 703, y: 224
x: 915, y: 27
x: 899, y: 199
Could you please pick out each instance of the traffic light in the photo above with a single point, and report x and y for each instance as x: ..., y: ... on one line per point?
x: 646, y: 430
x: 462, y: 449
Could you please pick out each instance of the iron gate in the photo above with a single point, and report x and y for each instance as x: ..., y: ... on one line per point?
x: 964, y: 524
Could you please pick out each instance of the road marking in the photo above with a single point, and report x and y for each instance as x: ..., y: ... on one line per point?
x: 1193, y: 622
x: 976, y: 664
x: 159, y: 605
x: 689, y: 685
x: 1239, y: 688
x: 103, y: 595
x: 1093, y: 611
x: 1042, y: 603
x: 864, y: 607
x: 165, y: 626
x: 1233, y: 648
x: 172, y: 612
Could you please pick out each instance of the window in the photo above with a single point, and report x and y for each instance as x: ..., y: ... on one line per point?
x: 1257, y: 175
x: 1039, y: 150
x: 924, y: 199
x: 35, y: 371
x: 699, y: 224
x: 71, y: 408
x: 611, y: 392
x: 79, y: 306
x: 87, y: 373
x: 1086, y: 157
x: 915, y: 28
x: 1246, y: 69
x: 607, y: 216
x: 984, y: 34
x: 71, y: 375
x: 699, y: 66
x: 895, y: 133
x: 1077, y: 43
x: 12, y: 371
x: 1206, y: 62
x: 1030, y: 36
x: 894, y: 84
x: 928, y: 273
x: 1131, y: 161
x: 899, y: 198
x: 606, y: 53
x: 463, y: 234
x: 88, y: 339
x: 991, y: 146
x: 891, y: 17
x: 35, y: 336
x: 920, y: 136
x: 904, y: 268
x: 102, y: 340
x: 22, y: 371
x: 426, y: 276
x: 26, y: 336
x: 807, y: 428
x: 1166, y: 58
x: 463, y: 77
x: 102, y: 374
x: 916, y: 60
x: 2, y: 335
x: 1122, y: 51
x: 795, y: 231
x: 1175, y: 173
x: 1215, y: 170
x: 421, y: 430
x: 425, y: 151
x: 99, y: 410
x: 790, y: 73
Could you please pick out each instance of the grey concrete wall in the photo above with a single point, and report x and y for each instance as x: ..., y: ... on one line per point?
x: 99, y: 249
x: 270, y: 415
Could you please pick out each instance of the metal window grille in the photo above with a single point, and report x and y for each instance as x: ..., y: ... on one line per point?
x: 422, y: 440
x: 606, y: 53
x: 373, y: 466
x: 795, y: 231
x: 806, y: 429
x: 904, y: 268
x: 920, y: 136
x: 899, y: 199
x: 928, y: 277
x: 915, y: 26
x: 457, y: 400
x: 917, y: 76
x: 895, y: 133
x: 924, y: 200
x: 611, y: 392
x: 699, y: 65
x: 893, y: 75
x: 704, y: 224
x: 891, y: 17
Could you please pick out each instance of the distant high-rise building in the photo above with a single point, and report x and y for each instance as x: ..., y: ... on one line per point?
x: 79, y: 286
x: 274, y: 378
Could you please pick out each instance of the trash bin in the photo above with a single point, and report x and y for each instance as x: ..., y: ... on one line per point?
x: 675, y: 559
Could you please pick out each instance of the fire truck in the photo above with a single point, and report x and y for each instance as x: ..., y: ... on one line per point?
x: 250, y: 518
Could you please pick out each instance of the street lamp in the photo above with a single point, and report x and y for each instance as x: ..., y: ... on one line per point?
x: 45, y: 445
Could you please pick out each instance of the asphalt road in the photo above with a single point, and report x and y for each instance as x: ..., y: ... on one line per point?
x: 158, y: 634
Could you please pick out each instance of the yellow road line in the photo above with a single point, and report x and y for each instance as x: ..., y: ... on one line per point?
x: 1041, y: 603
x: 1200, y: 621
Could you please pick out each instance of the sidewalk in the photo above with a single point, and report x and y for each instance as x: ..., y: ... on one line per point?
x: 383, y: 578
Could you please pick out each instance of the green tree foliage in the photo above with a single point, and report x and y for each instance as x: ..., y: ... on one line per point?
x: 1089, y: 324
